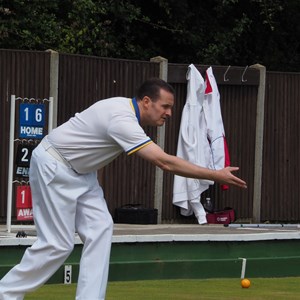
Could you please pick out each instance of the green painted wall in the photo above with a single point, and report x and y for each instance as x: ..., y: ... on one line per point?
x: 171, y: 260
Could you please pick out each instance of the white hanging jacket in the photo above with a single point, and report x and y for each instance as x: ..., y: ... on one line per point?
x: 214, y: 122
x: 192, y: 146
x: 201, y: 140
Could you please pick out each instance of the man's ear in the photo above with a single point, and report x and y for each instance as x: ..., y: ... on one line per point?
x: 146, y: 101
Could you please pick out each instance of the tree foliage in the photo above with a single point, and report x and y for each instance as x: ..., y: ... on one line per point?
x: 227, y: 32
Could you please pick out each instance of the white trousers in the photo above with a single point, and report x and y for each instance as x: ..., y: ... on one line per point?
x: 64, y: 202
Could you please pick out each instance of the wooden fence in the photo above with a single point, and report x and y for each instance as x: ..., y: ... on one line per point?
x: 260, y: 113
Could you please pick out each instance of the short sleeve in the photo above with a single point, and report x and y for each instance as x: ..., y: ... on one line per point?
x: 127, y: 132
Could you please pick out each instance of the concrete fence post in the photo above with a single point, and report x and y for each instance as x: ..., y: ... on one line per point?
x: 159, y: 176
x: 259, y: 140
x: 53, y: 91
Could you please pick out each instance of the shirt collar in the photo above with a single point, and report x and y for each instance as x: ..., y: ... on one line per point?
x: 136, y: 109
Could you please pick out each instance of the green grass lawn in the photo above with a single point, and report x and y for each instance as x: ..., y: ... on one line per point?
x: 211, y: 289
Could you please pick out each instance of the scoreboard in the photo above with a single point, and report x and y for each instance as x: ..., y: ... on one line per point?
x: 28, y: 126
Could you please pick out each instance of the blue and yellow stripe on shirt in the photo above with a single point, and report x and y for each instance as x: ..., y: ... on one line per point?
x: 138, y: 147
x: 135, y: 108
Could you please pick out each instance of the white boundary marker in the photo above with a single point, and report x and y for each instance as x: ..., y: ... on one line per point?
x: 244, y: 262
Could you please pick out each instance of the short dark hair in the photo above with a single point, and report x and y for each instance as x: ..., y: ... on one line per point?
x: 152, y: 87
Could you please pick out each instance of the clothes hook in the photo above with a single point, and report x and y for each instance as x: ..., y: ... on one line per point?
x: 225, y: 79
x: 244, y: 80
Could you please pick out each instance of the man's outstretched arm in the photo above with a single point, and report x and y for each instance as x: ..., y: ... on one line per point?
x: 178, y: 166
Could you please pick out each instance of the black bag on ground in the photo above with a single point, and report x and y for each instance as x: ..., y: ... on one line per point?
x: 135, y: 214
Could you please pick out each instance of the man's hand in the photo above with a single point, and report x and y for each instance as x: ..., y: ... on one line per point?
x: 225, y: 176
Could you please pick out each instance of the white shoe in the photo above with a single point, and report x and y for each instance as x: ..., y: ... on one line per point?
x: 201, y: 220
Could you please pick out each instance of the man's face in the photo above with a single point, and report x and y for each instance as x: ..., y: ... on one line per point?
x: 157, y: 112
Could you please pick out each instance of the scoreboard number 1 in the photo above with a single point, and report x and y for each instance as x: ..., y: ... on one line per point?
x: 24, y: 196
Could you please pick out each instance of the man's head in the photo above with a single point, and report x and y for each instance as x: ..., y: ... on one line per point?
x: 155, y: 100
x: 152, y: 87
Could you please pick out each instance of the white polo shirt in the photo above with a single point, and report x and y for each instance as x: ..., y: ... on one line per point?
x: 96, y: 136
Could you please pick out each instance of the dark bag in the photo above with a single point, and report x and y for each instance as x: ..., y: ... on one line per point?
x: 135, y: 214
x: 225, y: 216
